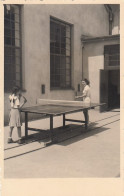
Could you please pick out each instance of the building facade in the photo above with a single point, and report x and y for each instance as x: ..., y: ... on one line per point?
x: 48, y: 49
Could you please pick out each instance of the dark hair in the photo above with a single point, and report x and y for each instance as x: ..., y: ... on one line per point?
x: 15, y: 89
x: 87, y: 81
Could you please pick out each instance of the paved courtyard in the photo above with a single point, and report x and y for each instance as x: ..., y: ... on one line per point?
x: 95, y: 153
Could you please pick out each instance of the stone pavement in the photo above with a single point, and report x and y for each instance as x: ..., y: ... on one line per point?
x: 95, y: 153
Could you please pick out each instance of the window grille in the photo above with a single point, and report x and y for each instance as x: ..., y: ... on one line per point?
x: 112, y: 55
x: 12, y: 46
x: 60, y: 54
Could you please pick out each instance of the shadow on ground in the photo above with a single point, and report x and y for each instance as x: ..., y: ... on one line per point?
x: 76, y: 134
x: 63, y: 136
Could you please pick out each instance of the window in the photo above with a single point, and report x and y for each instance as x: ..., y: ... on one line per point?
x: 12, y: 47
x: 112, y: 55
x: 60, y: 54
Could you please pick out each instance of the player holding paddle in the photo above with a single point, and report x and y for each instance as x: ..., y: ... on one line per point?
x: 86, y: 96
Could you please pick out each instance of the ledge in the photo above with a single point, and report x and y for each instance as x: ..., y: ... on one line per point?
x: 102, y: 38
x: 9, y: 91
x: 62, y: 89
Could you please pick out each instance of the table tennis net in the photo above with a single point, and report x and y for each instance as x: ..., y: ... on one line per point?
x: 61, y: 102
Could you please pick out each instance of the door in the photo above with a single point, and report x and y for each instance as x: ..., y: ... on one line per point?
x: 114, y: 89
x: 104, y: 89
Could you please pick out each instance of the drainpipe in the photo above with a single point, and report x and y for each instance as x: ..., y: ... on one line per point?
x: 110, y: 14
x: 82, y: 46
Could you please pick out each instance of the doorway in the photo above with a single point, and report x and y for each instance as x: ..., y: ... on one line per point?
x: 113, y: 89
x: 110, y: 89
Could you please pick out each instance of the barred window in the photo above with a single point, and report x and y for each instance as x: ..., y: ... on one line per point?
x: 12, y: 46
x: 112, y: 55
x: 60, y: 54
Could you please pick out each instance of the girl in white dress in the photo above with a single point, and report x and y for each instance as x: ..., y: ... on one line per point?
x: 15, y: 115
x: 86, y: 96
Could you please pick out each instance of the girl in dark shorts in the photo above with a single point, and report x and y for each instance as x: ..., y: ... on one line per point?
x: 16, y: 101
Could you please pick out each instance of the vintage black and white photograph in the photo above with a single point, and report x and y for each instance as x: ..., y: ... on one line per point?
x: 61, y: 91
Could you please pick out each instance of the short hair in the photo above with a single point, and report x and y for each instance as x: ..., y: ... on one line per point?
x: 15, y: 89
x: 87, y: 81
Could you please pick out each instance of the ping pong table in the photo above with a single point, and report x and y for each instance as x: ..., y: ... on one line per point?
x: 52, y: 108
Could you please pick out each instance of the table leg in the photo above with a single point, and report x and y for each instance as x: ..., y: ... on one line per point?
x: 51, y: 127
x: 63, y: 120
x: 26, y: 124
x: 53, y: 136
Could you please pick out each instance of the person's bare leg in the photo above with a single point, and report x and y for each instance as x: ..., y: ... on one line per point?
x: 19, y: 132
x: 10, y: 135
x: 86, y: 117
x: 10, y: 132
x: 19, y: 135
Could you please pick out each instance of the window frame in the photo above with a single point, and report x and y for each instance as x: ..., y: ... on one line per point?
x: 14, y: 47
x: 60, y: 22
x: 106, y: 49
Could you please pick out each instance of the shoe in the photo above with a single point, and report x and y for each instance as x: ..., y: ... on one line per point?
x: 10, y: 140
x: 20, y: 141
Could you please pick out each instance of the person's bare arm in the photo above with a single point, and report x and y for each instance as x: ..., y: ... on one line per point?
x: 24, y: 101
x: 83, y: 95
x: 76, y: 97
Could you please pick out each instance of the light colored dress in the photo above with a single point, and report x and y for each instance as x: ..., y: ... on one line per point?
x: 87, y: 95
x: 15, y: 115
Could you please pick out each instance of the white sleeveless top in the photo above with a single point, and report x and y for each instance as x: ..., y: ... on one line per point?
x: 14, y: 101
x: 87, y: 95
